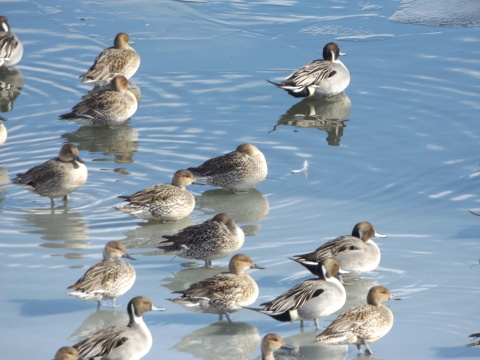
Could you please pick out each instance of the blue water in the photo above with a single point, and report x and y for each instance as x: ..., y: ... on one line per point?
x: 402, y: 154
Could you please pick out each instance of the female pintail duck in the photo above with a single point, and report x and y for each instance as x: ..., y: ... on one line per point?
x: 362, y: 324
x: 108, y: 278
x: 475, y: 343
x: 239, y: 170
x: 108, y: 107
x: 325, y: 77
x: 66, y: 353
x: 311, y: 299
x: 11, y: 49
x: 272, y: 342
x: 356, y: 253
x: 167, y: 202
x: 122, y: 342
x: 213, y: 239
x: 119, y: 60
x: 56, y: 177
x: 223, y: 293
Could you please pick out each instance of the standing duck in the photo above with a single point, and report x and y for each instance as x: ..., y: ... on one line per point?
x: 119, y: 60
x: 355, y: 253
x: 213, y: 239
x: 311, y: 299
x: 121, y: 342
x: 167, y: 202
x: 108, y: 107
x: 108, y: 278
x: 362, y: 324
x: 223, y: 293
x: 324, y: 78
x: 238, y: 171
x: 56, y: 177
x: 11, y: 49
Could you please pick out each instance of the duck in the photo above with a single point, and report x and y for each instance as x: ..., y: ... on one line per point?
x: 11, y: 48
x: 107, y: 279
x: 165, y: 202
x: 108, y: 107
x: 66, y: 353
x: 272, y: 342
x: 311, y: 299
x: 356, y: 253
x: 322, y: 78
x: 223, y: 293
x: 476, y: 343
x: 119, y: 60
x: 362, y: 324
x: 56, y: 177
x: 122, y: 342
x: 213, y: 239
x: 238, y: 171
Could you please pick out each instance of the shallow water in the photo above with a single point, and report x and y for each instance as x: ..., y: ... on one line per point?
x: 400, y: 153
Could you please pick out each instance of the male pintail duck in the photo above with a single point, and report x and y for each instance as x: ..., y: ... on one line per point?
x: 56, y: 177
x: 213, y: 239
x: 11, y: 49
x: 223, y: 293
x: 362, y: 324
x: 66, y: 353
x: 325, y: 77
x: 272, y: 342
x: 108, y: 278
x: 108, y: 107
x: 132, y: 341
x: 356, y: 253
x: 475, y: 343
x: 167, y: 202
x: 311, y: 299
x: 119, y: 60
x: 238, y: 171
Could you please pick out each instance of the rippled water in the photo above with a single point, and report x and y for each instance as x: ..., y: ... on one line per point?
x: 400, y: 149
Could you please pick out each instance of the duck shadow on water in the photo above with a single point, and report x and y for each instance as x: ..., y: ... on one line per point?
x: 11, y: 84
x: 327, y: 115
x: 47, y: 307
x: 221, y: 340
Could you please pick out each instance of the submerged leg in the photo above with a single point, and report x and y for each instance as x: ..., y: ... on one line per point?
x: 65, y: 198
x: 98, y: 305
x: 317, y: 326
x: 301, y: 325
x: 228, y: 318
x: 368, y: 351
x: 208, y: 263
x: 52, y: 203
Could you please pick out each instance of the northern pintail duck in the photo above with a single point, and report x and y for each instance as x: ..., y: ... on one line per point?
x: 272, y: 342
x: 475, y: 343
x: 122, y: 342
x: 119, y: 60
x: 239, y: 170
x: 355, y: 253
x: 362, y: 324
x: 108, y: 107
x: 213, y: 239
x: 11, y: 49
x: 66, y: 353
x: 108, y: 278
x: 167, y: 202
x: 223, y: 293
x: 311, y: 299
x: 56, y: 177
x: 325, y: 77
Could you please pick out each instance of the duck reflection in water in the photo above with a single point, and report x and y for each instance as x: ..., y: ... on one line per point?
x: 100, y: 319
x: 119, y: 141
x: 237, y: 340
x: 249, y: 208
x: 3, y: 131
x: 11, y: 84
x: 328, y: 115
x: 306, y: 349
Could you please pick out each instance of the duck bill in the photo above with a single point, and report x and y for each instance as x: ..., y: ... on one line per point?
x: 342, y: 54
x: 393, y: 297
x: 156, y: 308
x: 255, y: 266
x: 288, y: 347
x: 77, y: 158
x: 379, y: 235
x: 127, y: 256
